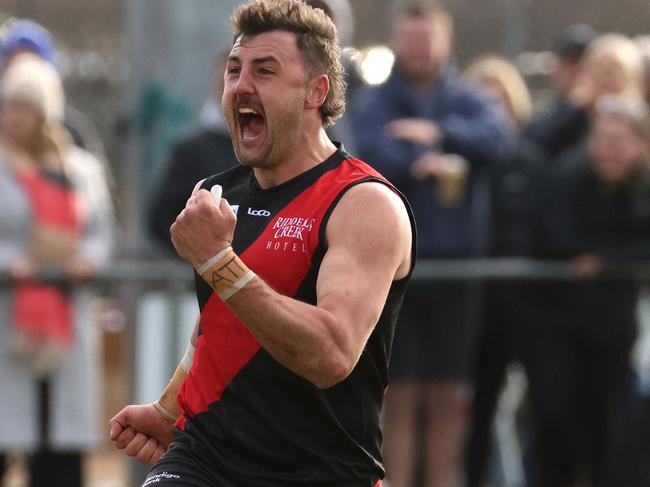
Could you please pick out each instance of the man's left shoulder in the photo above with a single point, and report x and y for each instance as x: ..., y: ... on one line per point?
x: 374, y: 221
x: 376, y: 197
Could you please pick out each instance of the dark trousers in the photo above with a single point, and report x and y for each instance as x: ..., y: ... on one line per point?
x: 50, y: 468
x: 55, y: 469
x: 576, y: 355
x: 504, y: 320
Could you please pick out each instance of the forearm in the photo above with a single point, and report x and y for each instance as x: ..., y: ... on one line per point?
x: 167, y: 405
x: 482, y: 139
x: 300, y: 336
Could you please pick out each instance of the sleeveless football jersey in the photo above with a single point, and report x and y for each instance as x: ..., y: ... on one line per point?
x: 244, y: 414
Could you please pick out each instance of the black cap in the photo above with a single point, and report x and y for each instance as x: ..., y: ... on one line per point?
x: 573, y: 41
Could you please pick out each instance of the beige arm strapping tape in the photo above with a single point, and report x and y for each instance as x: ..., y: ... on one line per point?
x: 167, y: 404
x: 188, y: 358
x: 226, y: 273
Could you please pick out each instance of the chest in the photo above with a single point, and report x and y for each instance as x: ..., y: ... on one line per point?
x: 279, y: 240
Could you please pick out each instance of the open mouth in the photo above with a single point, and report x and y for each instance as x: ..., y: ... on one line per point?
x: 251, y: 122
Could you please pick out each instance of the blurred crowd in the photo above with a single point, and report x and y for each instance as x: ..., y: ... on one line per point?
x: 487, y: 172
x: 55, y: 210
x: 487, y: 176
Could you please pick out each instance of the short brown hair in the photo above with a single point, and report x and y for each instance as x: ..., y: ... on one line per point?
x: 321, y: 4
x: 427, y: 9
x: 316, y: 39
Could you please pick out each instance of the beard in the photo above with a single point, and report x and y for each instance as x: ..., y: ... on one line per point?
x: 281, y: 136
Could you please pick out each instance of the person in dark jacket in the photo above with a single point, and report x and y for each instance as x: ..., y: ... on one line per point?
x: 206, y: 151
x: 561, y: 124
x: 577, y: 347
x: 513, y: 203
x: 612, y: 64
x: 434, y: 137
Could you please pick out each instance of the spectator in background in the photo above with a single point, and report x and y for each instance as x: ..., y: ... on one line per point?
x: 54, y: 210
x: 503, y: 84
x: 513, y: 202
x: 611, y: 65
x: 569, y: 50
x: 19, y: 36
x: 543, y: 129
x: 203, y: 153
x: 434, y: 137
x: 576, y: 349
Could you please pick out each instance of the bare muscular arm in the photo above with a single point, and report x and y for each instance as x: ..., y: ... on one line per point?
x: 369, y: 246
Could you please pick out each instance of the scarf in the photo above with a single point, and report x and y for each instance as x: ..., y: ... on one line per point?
x: 42, y: 315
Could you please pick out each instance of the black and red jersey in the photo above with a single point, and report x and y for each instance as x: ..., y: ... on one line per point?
x: 245, y: 415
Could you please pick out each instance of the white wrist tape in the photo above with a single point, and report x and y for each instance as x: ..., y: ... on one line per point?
x: 213, y: 261
x: 166, y: 413
x: 228, y: 293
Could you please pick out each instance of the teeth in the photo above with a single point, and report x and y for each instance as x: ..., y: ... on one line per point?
x: 247, y: 110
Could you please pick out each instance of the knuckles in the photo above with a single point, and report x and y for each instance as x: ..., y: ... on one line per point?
x: 125, y: 437
x: 136, y: 444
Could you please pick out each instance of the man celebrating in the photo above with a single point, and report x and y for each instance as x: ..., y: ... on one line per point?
x: 298, y: 293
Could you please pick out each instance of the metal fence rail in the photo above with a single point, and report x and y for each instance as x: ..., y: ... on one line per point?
x: 173, y: 273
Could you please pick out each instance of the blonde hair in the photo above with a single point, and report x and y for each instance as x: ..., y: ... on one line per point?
x: 30, y: 79
x: 34, y: 82
x: 316, y: 39
x: 625, y: 53
x: 499, y: 70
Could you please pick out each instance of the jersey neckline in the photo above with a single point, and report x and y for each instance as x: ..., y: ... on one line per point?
x: 307, y: 177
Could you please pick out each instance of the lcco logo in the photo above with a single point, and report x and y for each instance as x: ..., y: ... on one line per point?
x: 258, y: 212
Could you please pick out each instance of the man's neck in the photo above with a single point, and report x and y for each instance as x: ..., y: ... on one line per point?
x: 312, y: 151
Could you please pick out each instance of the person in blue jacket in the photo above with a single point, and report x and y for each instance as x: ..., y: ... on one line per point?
x: 435, y: 138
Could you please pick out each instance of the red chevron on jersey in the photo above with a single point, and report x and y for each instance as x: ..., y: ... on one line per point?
x: 230, y: 347
x: 281, y: 256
